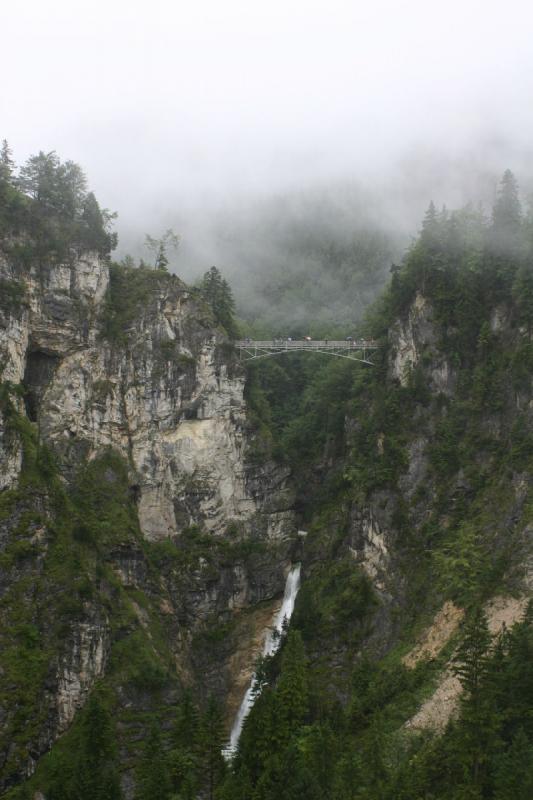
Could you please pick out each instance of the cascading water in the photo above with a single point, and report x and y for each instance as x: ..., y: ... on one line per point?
x: 272, y: 643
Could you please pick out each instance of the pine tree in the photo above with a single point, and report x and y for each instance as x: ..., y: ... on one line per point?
x: 96, y: 223
x: 507, y: 234
x: 431, y: 229
x: 292, y: 691
x: 471, y: 658
x: 427, y: 254
x: 237, y: 786
x: 211, y: 738
x: 374, y: 775
x: 507, y: 210
x: 514, y: 770
x: 7, y: 165
x: 472, y: 667
x: 523, y: 297
x: 184, y: 756
x: 160, y: 247
x: 259, y: 738
x: 96, y: 776
x: 217, y: 292
x: 153, y: 781
x: 58, y: 188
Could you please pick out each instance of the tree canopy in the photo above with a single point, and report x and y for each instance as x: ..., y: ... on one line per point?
x: 48, y: 200
x: 218, y: 294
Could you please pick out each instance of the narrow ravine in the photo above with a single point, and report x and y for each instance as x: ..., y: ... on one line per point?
x: 272, y: 643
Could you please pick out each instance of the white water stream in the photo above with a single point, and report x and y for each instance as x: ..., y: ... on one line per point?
x: 272, y: 643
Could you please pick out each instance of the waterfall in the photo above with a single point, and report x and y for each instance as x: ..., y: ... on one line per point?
x: 272, y: 643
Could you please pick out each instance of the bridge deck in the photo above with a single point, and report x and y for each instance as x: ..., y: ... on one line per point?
x: 355, y: 349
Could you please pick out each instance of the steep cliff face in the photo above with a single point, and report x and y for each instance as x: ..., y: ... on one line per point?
x: 149, y: 417
x: 415, y: 335
x: 436, y: 493
x: 169, y: 400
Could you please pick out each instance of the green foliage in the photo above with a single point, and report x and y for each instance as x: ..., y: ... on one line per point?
x: 484, y: 754
x: 315, y: 269
x: 46, y: 211
x: 329, y: 722
x: 129, y: 291
x: 211, y: 738
x: 90, y: 772
x: 160, y: 247
x: 335, y: 600
x: 135, y: 659
x: 153, y: 779
x: 463, y: 565
x: 12, y: 295
x: 514, y: 770
x: 7, y: 165
x: 458, y: 536
x: 96, y: 776
x: 218, y: 294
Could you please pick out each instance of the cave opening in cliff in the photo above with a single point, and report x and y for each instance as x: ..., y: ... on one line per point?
x: 40, y: 367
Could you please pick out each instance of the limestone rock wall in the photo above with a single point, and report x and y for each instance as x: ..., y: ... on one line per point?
x: 168, y: 399
x: 168, y: 395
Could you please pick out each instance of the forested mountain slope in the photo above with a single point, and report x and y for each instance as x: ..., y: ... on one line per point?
x: 415, y: 480
x: 143, y: 544
x: 152, y: 491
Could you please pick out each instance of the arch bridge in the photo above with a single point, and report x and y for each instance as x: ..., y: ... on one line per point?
x: 354, y: 349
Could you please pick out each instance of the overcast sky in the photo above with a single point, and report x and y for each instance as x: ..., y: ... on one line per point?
x: 167, y: 104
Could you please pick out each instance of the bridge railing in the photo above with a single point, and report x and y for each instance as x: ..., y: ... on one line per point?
x: 306, y: 344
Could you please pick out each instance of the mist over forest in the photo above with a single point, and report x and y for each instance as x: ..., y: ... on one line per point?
x: 311, y: 258
x: 234, y: 569
x: 282, y: 143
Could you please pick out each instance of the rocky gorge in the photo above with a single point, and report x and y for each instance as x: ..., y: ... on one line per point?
x: 157, y: 496
x: 165, y: 398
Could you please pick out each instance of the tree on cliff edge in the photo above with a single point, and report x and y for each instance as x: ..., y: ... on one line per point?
x: 217, y: 292
x: 7, y: 165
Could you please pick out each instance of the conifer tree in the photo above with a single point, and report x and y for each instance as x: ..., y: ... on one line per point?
x: 523, y: 297
x: 217, y: 292
x: 237, y: 786
x: 96, y: 222
x: 514, y: 770
x: 210, y: 743
x: 153, y: 782
x: 472, y: 665
x: 259, y: 739
x: 292, y: 691
x: 96, y: 776
x: 507, y: 210
x: 7, y: 165
x: 431, y: 229
x: 59, y: 189
x: 471, y: 658
x: 160, y: 247
x: 507, y: 233
x: 184, y: 756
x: 430, y: 244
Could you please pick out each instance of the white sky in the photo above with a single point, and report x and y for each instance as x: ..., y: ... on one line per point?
x: 171, y: 102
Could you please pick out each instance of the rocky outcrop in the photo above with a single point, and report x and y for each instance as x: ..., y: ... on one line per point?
x: 79, y: 667
x: 368, y: 544
x: 166, y: 394
x: 411, y: 338
x: 170, y: 400
x: 443, y: 705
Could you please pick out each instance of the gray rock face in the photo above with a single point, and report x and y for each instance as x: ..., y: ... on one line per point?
x: 413, y: 337
x: 79, y: 667
x: 168, y: 401
x: 169, y: 398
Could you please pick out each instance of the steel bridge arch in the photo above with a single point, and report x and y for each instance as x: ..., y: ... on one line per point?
x: 353, y: 350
